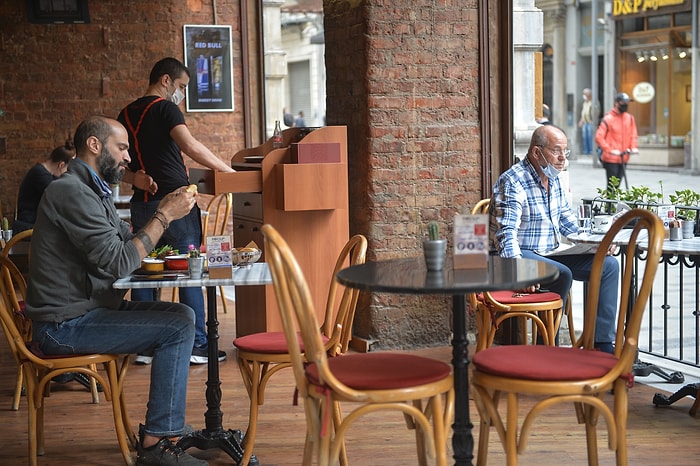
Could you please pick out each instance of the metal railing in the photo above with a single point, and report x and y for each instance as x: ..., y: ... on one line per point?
x: 671, y: 326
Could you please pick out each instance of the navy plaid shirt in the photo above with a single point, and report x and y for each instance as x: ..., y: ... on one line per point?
x: 525, y: 216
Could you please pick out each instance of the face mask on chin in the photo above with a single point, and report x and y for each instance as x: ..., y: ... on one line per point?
x: 622, y: 108
x: 550, y: 171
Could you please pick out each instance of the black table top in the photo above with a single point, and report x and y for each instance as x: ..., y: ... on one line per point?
x: 410, y: 276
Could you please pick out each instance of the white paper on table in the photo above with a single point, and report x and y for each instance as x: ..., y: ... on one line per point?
x: 568, y: 249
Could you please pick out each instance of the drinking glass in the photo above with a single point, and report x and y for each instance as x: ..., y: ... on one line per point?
x: 584, y: 218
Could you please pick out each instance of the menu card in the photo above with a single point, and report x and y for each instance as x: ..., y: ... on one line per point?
x: 471, y: 241
x: 219, y: 256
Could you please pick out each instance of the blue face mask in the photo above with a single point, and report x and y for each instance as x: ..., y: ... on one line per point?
x: 550, y: 171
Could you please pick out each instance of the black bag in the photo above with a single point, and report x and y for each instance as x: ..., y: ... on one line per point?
x: 288, y: 119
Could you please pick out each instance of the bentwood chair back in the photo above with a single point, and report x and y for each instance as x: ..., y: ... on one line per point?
x: 580, y: 375
x: 542, y: 309
x: 218, y: 213
x: 370, y: 382
x: 21, y: 236
x: 38, y: 369
x: 261, y: 355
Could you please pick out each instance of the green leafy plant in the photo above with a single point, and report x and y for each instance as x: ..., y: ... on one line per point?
x: 433, y: 231
x: 192, y: 251
x: 686, y: 198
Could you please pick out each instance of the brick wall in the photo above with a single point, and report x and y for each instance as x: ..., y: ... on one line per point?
x: 403, y: 75
x: 53, y: 75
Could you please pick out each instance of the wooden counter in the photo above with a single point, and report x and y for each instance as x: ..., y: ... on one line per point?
x: 306, y: 203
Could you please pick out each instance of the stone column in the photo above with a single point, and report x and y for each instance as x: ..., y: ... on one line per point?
x: 275, y: 64
x: 527, y: 39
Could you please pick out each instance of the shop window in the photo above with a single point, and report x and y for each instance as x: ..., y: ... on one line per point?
x: 57, y: 11
x: 682, y: 19
x: 659, y: 22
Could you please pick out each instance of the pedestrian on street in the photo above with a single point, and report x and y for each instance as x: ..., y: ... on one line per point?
x: 617, y: 138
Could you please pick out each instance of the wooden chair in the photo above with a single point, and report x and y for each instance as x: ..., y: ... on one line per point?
x: 21, y: 236
x: 375, y: 381
x: 261, y: 355
x: 220, y: 207
x: 16, y: 284
x: 580, y: 374
x: 543, y: 310
x: 38, y: 370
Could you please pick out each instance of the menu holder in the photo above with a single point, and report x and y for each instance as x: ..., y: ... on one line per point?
x: 666, y: 212
x: 471, y: 249
x: 219, y: 258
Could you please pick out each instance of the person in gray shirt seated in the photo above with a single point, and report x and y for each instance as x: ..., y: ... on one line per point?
x: 80, y: 246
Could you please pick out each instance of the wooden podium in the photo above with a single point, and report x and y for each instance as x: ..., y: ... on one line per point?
x: 306, y: 202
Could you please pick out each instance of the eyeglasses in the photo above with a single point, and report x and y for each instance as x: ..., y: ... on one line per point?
x: 557, y: 151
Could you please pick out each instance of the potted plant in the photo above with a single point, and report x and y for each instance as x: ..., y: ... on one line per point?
x: 685, y: 199
x: 434, y: 248
x: 6, y: 232
x: 195, y: 261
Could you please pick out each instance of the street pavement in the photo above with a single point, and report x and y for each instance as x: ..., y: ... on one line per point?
x: 585, y: 179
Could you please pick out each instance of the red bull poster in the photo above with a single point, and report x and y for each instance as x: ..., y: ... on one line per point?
x: 209, y: 58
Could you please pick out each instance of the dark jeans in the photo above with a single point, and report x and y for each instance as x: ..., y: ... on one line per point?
x: 614, y: 169
x: 165, y: 330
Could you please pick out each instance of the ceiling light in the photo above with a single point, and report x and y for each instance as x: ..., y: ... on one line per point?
x: 664, y: 54
x: 653, y: 56
x: 640, y: 57
x: 682, y: 53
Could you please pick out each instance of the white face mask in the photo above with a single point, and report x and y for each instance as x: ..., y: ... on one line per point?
x: 177, y: 97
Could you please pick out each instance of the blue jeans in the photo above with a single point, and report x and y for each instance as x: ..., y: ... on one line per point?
x: 578, y: 267
x: 587, y: 136
x: 180, y: 234
x: 163, y: 329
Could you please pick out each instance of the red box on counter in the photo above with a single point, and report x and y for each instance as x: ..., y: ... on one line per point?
x: 315, y: 152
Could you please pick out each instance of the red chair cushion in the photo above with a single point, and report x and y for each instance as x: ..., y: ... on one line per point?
x: 267, y: 343
x: 510, y: 297
x: 546, y: 363
x: 382, y: 371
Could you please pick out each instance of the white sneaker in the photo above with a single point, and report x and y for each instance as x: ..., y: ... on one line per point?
x: 143, y: 360
x: 201, y: 356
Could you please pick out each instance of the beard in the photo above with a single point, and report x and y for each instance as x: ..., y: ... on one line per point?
x: 111, y: 171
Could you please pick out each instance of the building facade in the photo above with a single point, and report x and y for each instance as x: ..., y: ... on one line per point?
x: 646, y: 49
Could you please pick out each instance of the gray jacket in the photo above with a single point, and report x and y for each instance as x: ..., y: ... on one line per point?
x: 79, y: 248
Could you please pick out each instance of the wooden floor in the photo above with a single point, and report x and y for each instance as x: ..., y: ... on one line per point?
x: 80, y: 433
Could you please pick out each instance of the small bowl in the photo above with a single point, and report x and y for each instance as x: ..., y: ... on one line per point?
x: 152, y: 265
x: 176, y: 262
x: 245, y: 257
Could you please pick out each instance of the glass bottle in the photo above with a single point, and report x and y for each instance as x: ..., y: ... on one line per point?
x: 277, y: 141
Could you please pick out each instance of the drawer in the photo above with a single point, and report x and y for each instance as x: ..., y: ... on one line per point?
x: 248, y: 205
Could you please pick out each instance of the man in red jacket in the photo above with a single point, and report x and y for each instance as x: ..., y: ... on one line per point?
x: 617, y: 138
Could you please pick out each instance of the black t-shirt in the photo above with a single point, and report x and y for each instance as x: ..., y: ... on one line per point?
x: 149, y: 121
x: 30, y: 191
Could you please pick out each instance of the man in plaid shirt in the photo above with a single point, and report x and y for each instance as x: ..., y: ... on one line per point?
x: 529, y: 214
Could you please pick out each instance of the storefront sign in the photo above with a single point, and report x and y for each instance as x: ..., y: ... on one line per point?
x: 643, y: 92
x: 644, y: 7
x: 208, y: 57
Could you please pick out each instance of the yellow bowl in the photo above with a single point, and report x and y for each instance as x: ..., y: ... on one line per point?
x: 153, y: 265
x: 245, y: 257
